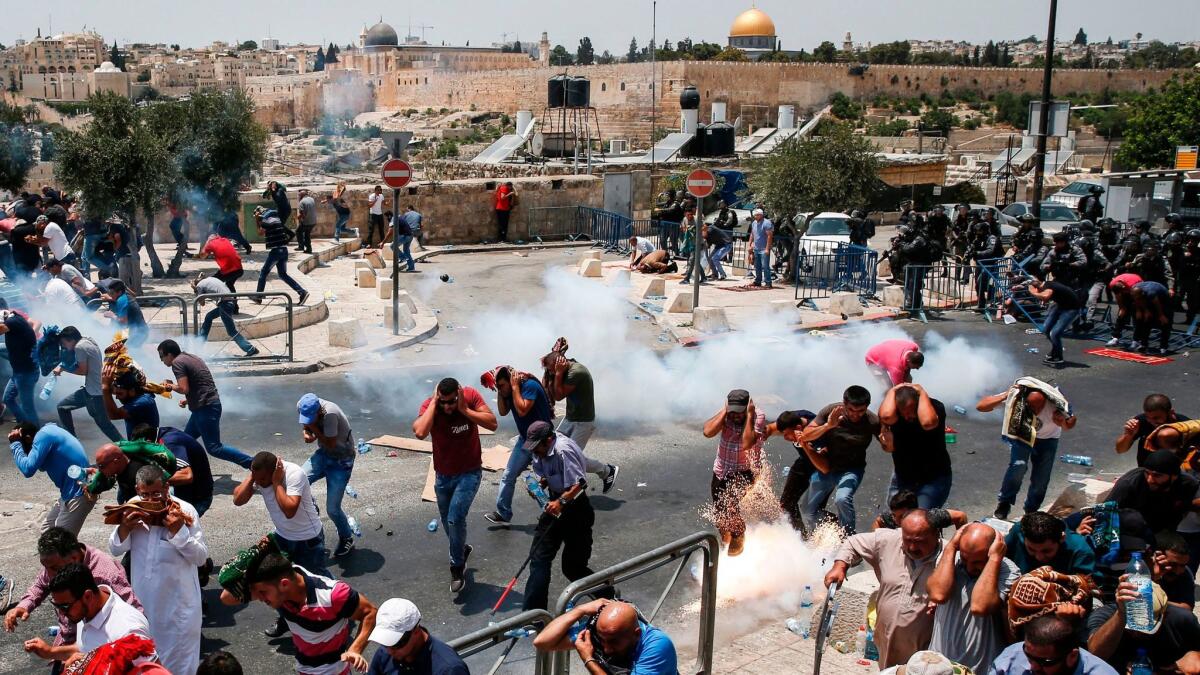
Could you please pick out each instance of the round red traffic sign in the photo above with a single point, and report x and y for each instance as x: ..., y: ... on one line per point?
x: 701, y: 183
x: 396, y: 173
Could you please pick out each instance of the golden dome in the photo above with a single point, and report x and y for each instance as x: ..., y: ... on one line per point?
x: 752, y: 23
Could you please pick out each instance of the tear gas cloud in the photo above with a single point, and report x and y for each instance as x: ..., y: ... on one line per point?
x: 636, y: 383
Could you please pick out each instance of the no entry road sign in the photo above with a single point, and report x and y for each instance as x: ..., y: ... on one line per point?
x: 701, y: 183
x: 396, y: 173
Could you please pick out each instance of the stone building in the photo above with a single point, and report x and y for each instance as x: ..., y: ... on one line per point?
x: 753, y: 32
x: 76, y: 86
x: 64, y: 54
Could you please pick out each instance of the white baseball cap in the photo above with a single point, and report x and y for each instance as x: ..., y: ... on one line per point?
x: 395, y: 618
x: 756, y: 212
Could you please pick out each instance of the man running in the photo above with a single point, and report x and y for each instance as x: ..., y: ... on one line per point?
x: 524, y: 396
x: 194, y: 380
x: 892, y: 361
x: 790, y: 424
x: 743, y: 430
x: 845, y: 430
x: 569, y: 379
x: 323, y: 422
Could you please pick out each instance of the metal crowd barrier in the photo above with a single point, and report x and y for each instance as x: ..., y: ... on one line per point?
x: 552, y: 223
x: 158, y: 303
x: 681, y: 550
x: 825, y: 267
x: 944, y: 285
x: 492, y: 636
x: 266, y: 353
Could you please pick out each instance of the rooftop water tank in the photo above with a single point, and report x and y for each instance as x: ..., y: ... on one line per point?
x: 718, y: 140
x: 689, y: 98
x: 556, y: 91
x: 579, y: 92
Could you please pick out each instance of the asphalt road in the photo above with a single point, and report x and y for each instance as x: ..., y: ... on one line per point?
x: 664, y: 477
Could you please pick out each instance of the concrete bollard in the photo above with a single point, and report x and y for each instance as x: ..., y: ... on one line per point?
x: 710, y: 320
x: 785, y: 310
x: 407, y: 322
x: 892, y: 296
x: 407, y: 301
x: 387, y: 253
x: 845, y: 303
x: 375, y: 258
x: 384, y: 290
x: 348, y: 333
x: 620, y: 280
x: 594, y: 255
x: 657, y: 287
x: 590, y: 267
x: 680, y: 302
x: 365, y: 277
x: 362, y: 264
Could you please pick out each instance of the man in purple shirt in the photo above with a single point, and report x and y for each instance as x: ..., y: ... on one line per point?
x: 58, y: 548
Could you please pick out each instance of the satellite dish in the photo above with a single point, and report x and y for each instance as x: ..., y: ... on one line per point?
x: 538, y: 144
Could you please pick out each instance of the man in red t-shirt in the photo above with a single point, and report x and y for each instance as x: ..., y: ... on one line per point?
x: 505, y: 196
x: 229, y: 263
x: 453, y: 416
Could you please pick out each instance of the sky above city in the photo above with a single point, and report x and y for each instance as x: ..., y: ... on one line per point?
x: 801, y: 24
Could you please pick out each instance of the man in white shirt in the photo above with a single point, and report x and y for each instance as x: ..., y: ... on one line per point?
x: 163, y: 562
x: 100, y: 614
x: 50, y: 235
x: 225, y: 309
x: 287, y: 495
x: 61, y: 300
x: 640, y: 247
x: 375, y: 222
x: 74, y: 278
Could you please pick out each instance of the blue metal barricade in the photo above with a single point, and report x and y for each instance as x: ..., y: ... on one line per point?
x: 835, y: 267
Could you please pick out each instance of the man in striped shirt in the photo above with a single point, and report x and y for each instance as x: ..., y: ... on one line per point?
x: 743, y: 430
x: 318, y: 610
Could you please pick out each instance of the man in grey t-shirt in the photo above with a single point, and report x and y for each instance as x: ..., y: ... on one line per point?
x: 225, y: 309
x: 306, y: 220
x: 82, y: 356
x: 324, y: 422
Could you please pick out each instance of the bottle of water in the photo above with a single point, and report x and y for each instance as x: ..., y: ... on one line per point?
x: 355, y: 527
x: 351, y: 491
x: 536, y: 490
x: 1141, y: 665
x: 1139, y: 612
x: 1081, y: 460
x: 960, y: 410
x: 860, y: 641
x: 804, y: 618
x: 786, y: 470
x: 793, y: 625
x: 48, y: 388
x: 432, y: 526
x: 75, y: 472
x: 363, y: 447
x: 520, y: 633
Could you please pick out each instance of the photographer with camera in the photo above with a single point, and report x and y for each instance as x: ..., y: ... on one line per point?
x: 616, y: 640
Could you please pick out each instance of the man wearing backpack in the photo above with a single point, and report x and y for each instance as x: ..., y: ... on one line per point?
x: 276, y: 238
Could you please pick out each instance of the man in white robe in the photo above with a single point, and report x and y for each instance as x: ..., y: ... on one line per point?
x: 163, y: 566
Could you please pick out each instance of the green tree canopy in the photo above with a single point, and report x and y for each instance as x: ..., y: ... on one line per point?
x: 731, y: 54
x: 633, y: 55
x: 585, y: 55
x: 831, y: 172
x: 1160, y: 121
x: 559, y: 56
x: 16, y: 155
x: 826, y: 52
x: 247, y: 46
x: 938, y: 120
x: 1081, y: 38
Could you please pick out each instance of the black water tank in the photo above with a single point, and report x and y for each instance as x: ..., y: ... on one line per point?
x: 689, y: 98
x: 695, y: 145
x: 579, y: 92
x: 556, y: 91
x: 718, y: 140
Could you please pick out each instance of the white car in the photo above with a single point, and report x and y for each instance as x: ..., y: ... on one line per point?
x: 1071, y: 194
x: 825, y: 232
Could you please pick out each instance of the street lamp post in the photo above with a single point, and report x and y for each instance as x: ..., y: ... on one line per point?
x: 1039, y: 175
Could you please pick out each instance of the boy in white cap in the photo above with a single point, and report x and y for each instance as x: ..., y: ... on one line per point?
x: 407, y: 647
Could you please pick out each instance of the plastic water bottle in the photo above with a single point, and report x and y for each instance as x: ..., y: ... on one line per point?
x: 355, y: 527
x: 960, y: 410
x: 1141, y: 665
x: 363, y: 447
x: 860, y: 641
x: 1081, y: 460
x: 520, y: 633
x: 793, y: 625
x: 351, y: 491
x: 330, y: 296
x: 804, y: 618
x: 786, y: 471
x: 1139, y: 612
x: 52, y: 632
x: 48, y: 388
x: 536, y: 490
x: 432, y: 526
x: 75, y: 472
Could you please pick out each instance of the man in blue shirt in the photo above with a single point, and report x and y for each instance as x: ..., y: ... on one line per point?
x: 413, y: 218
x: 126, y: 311
x: 137, y: 405
x: 762, y: 233
x: 524, y: 396
x: 406, y: 647
x: 1040, y: 539
x: 1050, y: 648
x: 622, y: 642
x: 53, y: 450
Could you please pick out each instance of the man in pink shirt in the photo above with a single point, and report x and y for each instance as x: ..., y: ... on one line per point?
x: 893, y: 361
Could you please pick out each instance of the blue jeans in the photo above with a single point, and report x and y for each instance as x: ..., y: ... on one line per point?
x: 1042, y: 457
x: 277, y: 257
x: 339, y: 228
x: 179, y: 230
x: 842, y: 486
x: 762, y: 268
x: 89, y: 250
x: 224, y: 310
x: 454, y: 497
x: 518, y: 462
x: 308, y: 554
x: 95, y: 407
x: 336, y: 473
x: 205, y: 424
x: 406, y: 252
x: 930, y: 495
x: 18, y: 396
x: 715, y: 256
x: 1058, y: 320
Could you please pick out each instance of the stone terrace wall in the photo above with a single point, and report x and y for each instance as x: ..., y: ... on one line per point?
x: 621, y: 92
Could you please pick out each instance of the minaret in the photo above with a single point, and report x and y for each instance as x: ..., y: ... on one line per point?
x: 848, y: 44
x: 362, y: 37
x: 544, y: 50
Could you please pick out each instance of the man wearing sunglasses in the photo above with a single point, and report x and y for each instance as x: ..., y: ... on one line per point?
x: 1050, y: 648
x: 406, y: 647
x: 453, y: 416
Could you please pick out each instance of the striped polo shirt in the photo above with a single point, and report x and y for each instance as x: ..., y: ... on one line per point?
x: 321, y: 626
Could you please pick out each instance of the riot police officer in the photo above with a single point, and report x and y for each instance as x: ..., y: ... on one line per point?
x: 1150, y: 265
x: 1098, y: 271
x: 1064, y: 261
x: 1028, y: 244
x: 858, y: 228
x: 1189, y: 276
x: 984, y: 246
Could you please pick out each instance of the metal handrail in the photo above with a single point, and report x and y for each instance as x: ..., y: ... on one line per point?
x: 145, y: 300
x: 705, y: 542
x: 487, y: 638
x: 291, y: 333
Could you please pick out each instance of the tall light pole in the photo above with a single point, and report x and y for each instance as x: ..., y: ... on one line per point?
x: 1039, y: 168
x: 653, y: 89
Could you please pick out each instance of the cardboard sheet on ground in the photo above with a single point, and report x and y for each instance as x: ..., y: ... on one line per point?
x: 402, y: 443
x: 495, y: 458
x: 428, y: 495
